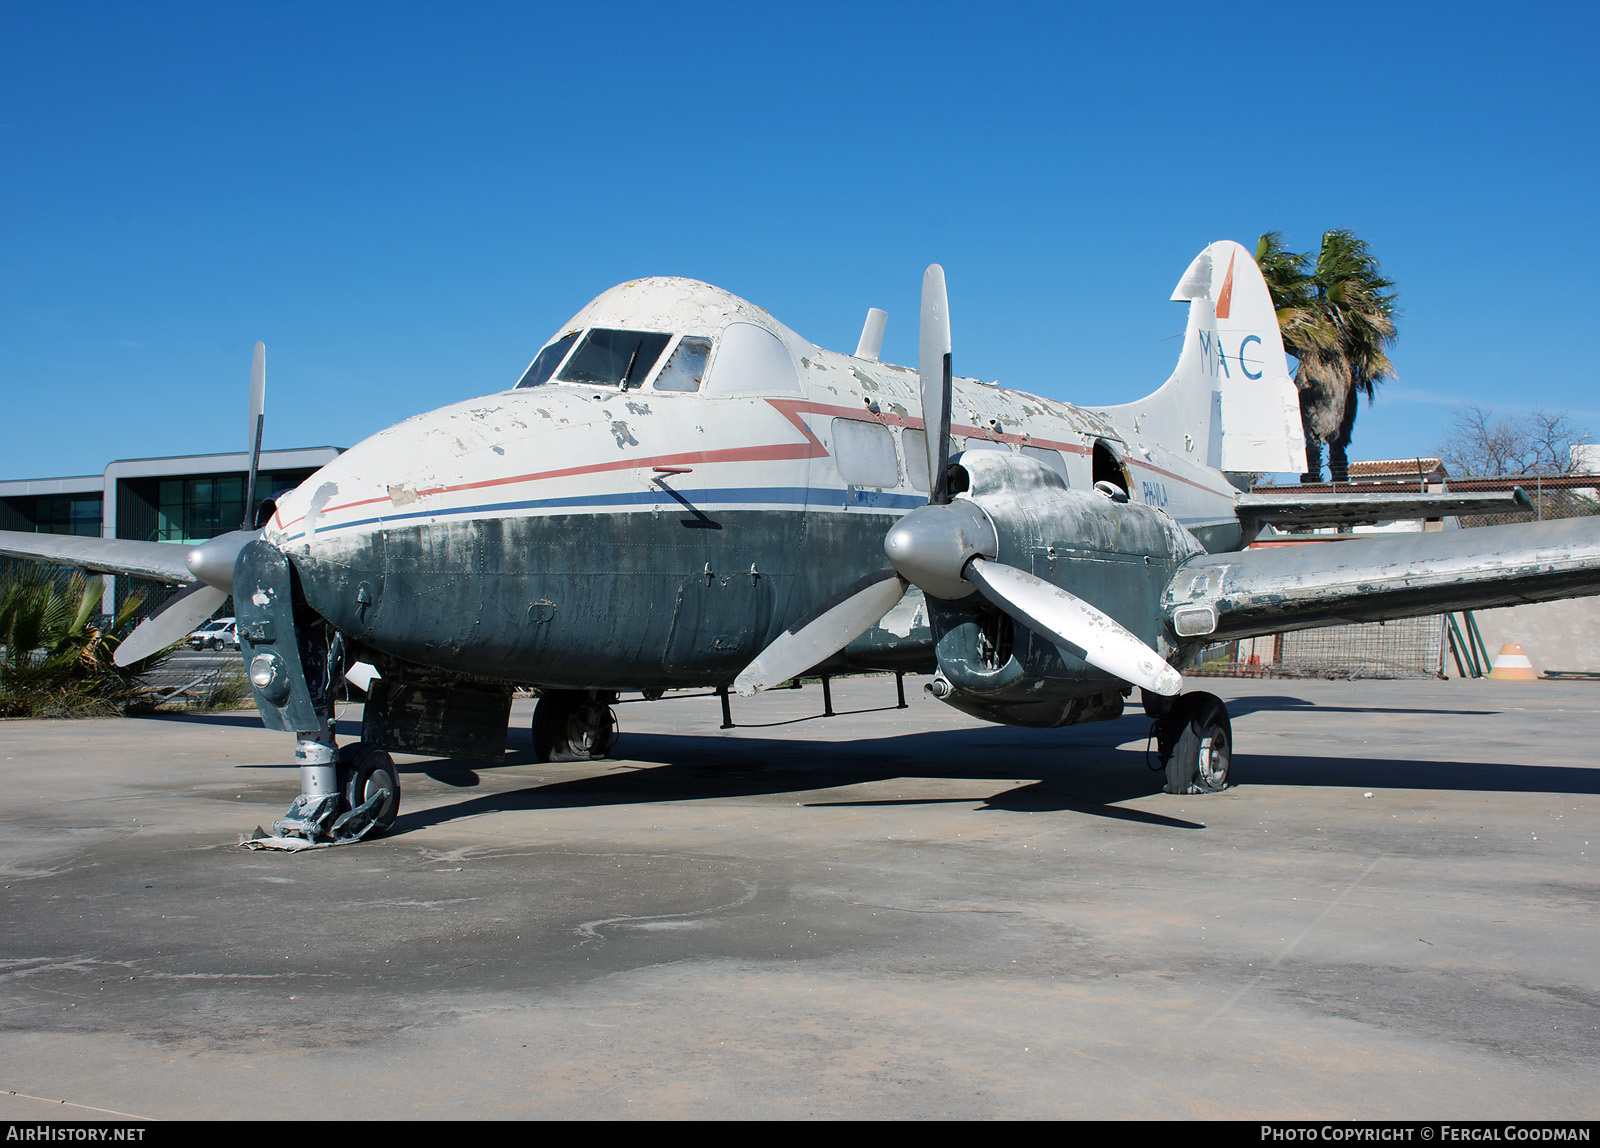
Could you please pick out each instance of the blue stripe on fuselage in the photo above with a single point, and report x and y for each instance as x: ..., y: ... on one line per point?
x: 708, y: 499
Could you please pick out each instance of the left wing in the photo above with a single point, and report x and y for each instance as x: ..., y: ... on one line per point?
x: 1225, y: 596
x: 162, y: 561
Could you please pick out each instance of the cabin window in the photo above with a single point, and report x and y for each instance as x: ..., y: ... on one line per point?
x: 610, y: 358
x: 865, y: 453
x: 686, y: 367
x: 1051, y: 458
x: 546, y: 361
x: 751, y: 360
x: 915, y: 444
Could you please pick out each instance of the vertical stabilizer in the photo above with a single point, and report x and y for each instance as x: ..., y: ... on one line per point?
x: 1231, y: 402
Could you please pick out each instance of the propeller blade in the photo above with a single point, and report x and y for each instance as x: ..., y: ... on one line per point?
x: 258, y: 406
x: 178, y: 616
x: 824, y: 632
x: 933, y: 365
x: 1074, y: 625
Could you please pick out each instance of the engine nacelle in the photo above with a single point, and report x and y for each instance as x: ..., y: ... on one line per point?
x: 1117, y: 556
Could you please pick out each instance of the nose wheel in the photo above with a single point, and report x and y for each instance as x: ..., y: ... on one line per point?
x: 573, y: 725
x: 370, y: 786
x: 1195, y: 741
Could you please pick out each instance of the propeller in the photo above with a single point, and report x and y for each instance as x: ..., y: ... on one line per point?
x: 1073, y: 625
x: 211, y: 562
x: 817, y: 636
x: 173, y: 620
x: 947, y: 550
x: 258, y: 418
x: 933, y: 367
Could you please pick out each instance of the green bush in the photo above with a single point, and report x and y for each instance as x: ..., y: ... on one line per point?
x: 54, y: 660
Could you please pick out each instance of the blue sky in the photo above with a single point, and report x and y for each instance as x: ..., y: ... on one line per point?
x: 405, y: 200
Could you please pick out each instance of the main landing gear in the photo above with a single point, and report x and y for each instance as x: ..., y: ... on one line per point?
x: 574, y: 725
x: 1194, y: 741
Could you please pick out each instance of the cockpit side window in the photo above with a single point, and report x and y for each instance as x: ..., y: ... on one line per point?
x: 546, y: 361
x: 611, y: 358
x: 686, y: 367
x: 751, y: 361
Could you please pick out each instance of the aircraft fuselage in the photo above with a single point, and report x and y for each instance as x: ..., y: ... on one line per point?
x: 576, y: 536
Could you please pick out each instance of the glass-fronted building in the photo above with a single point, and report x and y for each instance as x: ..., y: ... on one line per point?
x: 183, y: 499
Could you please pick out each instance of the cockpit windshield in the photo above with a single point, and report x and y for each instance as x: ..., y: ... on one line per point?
x: 610, y: 358
x: 546, y: 361
x: 614, y: 358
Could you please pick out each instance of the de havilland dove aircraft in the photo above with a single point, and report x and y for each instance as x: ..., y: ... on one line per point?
x: 682, y: 492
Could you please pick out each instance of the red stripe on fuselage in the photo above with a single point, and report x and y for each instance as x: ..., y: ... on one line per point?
x: 810, y: 447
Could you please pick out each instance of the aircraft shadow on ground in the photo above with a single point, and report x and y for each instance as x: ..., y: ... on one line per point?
x: 1281, y: 703
x: 1073, y: 770
x: 1032, y: 770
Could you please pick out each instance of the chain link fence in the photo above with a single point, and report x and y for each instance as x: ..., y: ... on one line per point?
x: 1561, y: 502
x: 1403, y: 648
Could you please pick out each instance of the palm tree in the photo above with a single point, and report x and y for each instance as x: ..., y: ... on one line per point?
x: 1337, y: 317
x: 1307, y: 335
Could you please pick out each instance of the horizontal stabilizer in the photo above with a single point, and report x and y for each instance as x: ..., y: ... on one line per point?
x: 1291, y: 508
x: 162, y: 561
x: 1220, y: 597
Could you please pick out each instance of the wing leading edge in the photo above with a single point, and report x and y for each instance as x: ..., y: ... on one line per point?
x: 162, y: 561
x: 1221, y: 597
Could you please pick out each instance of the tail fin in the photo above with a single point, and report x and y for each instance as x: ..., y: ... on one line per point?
x: 1230, y: 403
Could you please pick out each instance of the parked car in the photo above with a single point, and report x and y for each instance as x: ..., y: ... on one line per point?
x: 218, y: 635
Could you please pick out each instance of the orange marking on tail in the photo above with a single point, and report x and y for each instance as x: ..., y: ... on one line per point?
x: 1225, y: 299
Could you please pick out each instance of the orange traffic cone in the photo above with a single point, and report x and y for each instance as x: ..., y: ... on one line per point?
x: 1513, y: 665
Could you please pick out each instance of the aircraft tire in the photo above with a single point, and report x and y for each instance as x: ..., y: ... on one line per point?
x: 363, y: 770
x: 570, y: 725
x: 1203, y: 753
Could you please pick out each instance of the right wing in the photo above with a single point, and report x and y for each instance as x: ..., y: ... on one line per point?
x: 1221, y: 597
x: 1292, y: 508
x: 162, y: 561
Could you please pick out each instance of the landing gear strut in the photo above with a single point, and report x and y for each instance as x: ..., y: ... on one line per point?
x: 1194, y: 739
x: 574, y: 725
x: 352, y: 794
x: 296, y: 663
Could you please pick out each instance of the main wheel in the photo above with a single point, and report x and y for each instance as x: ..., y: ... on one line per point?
x: 365, y: 771
x: 573, y: 725
x: 1204, y: 747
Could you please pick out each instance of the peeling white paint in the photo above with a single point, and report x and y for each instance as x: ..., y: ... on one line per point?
x: 908, y: 614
